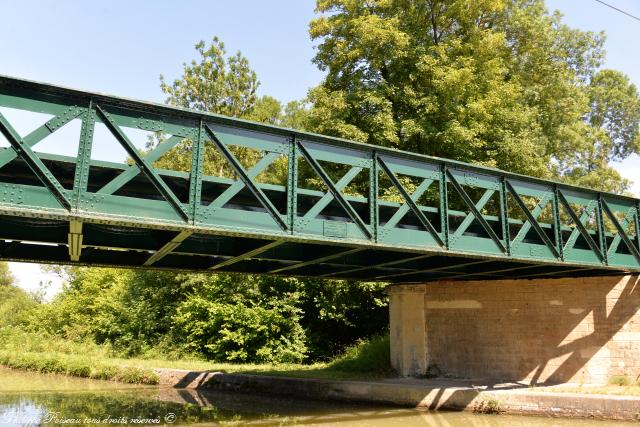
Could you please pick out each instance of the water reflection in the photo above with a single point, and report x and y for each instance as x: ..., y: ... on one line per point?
x: 32, y: 399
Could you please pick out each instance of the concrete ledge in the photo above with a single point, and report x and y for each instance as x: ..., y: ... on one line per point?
x: 429, y: 394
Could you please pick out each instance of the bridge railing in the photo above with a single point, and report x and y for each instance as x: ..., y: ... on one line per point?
x: 182, y: 169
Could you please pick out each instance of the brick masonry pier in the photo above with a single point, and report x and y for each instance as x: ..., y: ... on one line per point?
x: 545, y: 331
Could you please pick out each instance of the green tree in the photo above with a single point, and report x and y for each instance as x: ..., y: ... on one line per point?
x: 216, y: 83
x: 15, y: 304
x: 501, y: 83
x: 128, y: 309
x: 336, y: 314
x: 241, y: 319
x: 6, y: 278
x: 611, y: 133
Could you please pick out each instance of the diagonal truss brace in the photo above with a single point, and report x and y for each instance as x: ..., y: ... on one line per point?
x: 238, y: 185
x: 472, y: 207
x: 247, y: 255
x: 244, y: 176
x: 332, y: 188
x: 532, y: 220
x: 468, y: 220
x: 621, y: 232
x: 404, y: 208
x: 34, y: 162
x: 580, y: 227
x: 628, y: 218
x: 328, y: 197
x: 147, y: 169
x: 42, y: 132
x: 409, y: 201
x: 168, y: 247
x: 132, y: 171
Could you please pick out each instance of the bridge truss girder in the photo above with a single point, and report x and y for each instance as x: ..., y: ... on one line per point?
x: 261, y: 199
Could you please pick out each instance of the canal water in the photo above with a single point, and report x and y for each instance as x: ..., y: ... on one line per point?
x: 29, y: 399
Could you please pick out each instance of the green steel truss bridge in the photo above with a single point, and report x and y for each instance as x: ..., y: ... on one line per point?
x: 222, y: 194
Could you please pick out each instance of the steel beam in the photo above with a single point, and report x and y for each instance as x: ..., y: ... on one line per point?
x: 412, y: 205
x: 531, y: 220
x: 134, y: 170
x: 431, y: 270
x: 472, y: 207
x: 247, y: 255
x: 378, y: 265
x: 334, y: 190
x: 168, y: 247
x: 315, y: 261
x: 580, y: 227
x: 621, y: 232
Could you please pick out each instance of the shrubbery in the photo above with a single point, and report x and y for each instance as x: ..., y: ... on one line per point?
x: 226, y: 318
x: 239, y: 332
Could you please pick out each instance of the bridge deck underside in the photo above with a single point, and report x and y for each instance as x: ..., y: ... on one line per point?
x: 45, y: 241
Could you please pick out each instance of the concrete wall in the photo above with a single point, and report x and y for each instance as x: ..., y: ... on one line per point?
x: 541, y: 331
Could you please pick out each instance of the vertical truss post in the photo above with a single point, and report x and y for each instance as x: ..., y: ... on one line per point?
x: 292, y: 184
x: 197, y: 171
x: 373, y: 194
x: 602, y: 238
x: 557, y: 223
x: 81, y: 179
x: 504, y: 214
x: 83, y: 159
x: 444, y: 205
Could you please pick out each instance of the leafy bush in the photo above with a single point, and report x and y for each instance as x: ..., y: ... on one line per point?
x: 241, y: 333
x: 15, y: 305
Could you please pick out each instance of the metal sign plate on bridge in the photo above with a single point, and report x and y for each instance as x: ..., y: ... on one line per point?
x: 201, y: 192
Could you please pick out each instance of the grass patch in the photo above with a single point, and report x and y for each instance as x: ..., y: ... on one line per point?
x: 371, y: 356
x: 620, y: 380
x: 50, y: 354
x: 78, y: 366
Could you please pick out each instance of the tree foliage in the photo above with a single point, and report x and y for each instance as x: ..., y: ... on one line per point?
x: 214, y: 316
x: 501, y: 83
x: 14, y: 302
x: 217, y: 83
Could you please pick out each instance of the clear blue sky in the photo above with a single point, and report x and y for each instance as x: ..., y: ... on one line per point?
x: 121, y: 47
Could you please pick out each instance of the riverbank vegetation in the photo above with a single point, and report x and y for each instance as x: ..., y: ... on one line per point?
x: 48, y: 354
x: 120, y: 325
x: 236, y: 319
